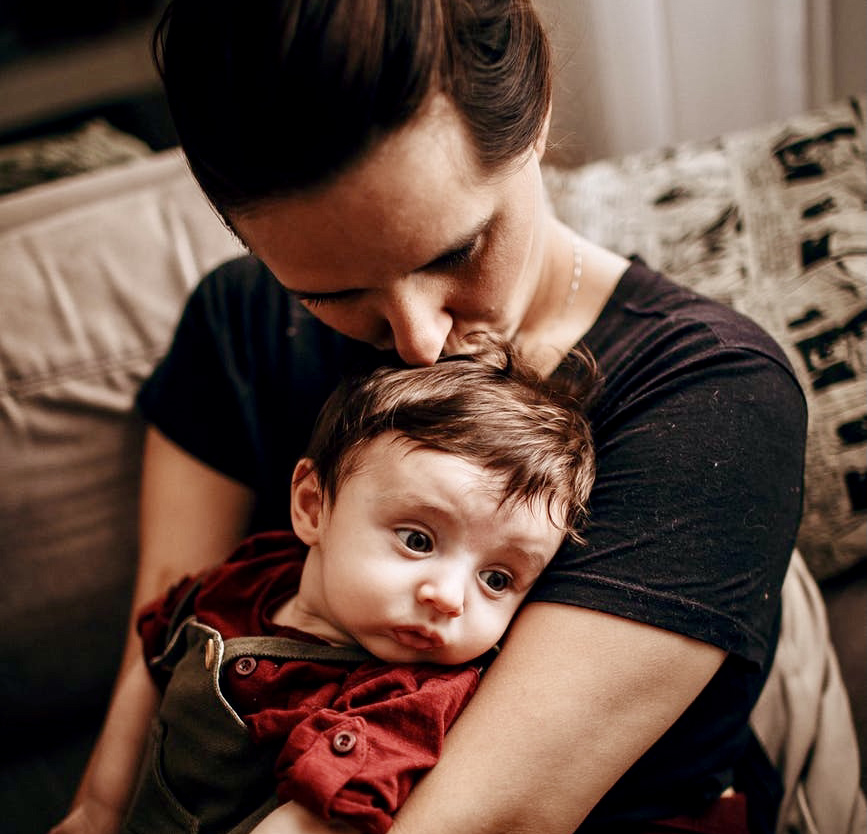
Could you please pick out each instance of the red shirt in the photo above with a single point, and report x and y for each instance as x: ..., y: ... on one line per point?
x: 356, y: 738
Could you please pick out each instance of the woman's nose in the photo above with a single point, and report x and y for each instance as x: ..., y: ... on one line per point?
x: 419, y: 326
x: 445, y: 592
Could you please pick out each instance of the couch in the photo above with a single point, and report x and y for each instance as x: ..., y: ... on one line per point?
x: 94, y: 270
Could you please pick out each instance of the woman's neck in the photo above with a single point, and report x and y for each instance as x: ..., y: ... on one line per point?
x: 562, y: 312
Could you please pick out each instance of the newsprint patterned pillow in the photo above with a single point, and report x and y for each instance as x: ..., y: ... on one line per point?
x: 771, y: 221
x: 92, y: 145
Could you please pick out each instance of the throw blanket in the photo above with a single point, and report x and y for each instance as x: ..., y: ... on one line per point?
x: 804, y: 721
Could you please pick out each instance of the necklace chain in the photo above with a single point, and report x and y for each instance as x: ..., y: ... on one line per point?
x: 577, y: 270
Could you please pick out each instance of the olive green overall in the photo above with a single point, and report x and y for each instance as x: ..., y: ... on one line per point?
x: 202, y: 773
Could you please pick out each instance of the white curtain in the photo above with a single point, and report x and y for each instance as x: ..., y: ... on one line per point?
x: 634, y: 74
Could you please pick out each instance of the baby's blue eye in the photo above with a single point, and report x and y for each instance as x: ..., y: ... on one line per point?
x: 496, y: 580
x: 416, y: 540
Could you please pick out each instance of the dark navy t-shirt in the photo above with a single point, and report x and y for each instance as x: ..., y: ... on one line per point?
x: 699, y: 428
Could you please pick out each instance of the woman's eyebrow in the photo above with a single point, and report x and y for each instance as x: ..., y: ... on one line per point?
x: 456, y: 249
x: 461, y: 245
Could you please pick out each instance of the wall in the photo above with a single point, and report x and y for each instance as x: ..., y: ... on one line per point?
x: 849, y: 36
x: 634, y: 74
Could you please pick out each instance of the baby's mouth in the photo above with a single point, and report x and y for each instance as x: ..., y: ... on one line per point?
x: 421, y: 639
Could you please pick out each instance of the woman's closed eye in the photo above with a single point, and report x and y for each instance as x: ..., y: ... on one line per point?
x: 461, y: 255
x: 463, y: 251
x: 415, y: 540
x: 453, y: 259
x: 317, y: 299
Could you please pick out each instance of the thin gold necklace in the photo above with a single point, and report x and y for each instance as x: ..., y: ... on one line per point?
x: 577, y: 271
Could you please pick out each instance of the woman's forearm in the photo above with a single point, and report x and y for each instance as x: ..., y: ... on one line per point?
x: 114, y: 764
x: 572, y: 701
x: 190, y: 518
x: 293, y: 818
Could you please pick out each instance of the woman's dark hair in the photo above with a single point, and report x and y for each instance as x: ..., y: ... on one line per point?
x: 276, y: 97
x: 490, y: 408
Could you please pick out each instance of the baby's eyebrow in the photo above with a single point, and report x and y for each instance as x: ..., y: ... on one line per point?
x: 534, y: 562
x: 527, y: 563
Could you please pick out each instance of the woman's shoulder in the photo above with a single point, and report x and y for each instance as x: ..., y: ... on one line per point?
x: 652, y: 321
x: 240, y: 290
x: 256, y: 317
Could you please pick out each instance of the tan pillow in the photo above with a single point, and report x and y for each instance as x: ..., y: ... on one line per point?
x: 93, y: 273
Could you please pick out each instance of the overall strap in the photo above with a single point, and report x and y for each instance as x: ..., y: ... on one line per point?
x: 183, y: 613
x: 183, y: 610
x: 286, y: 648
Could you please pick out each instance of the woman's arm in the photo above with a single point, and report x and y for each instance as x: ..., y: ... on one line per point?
x: 105, y: 790
x: 191, y: 518
x: 573, y: 699
x: 293, y: 818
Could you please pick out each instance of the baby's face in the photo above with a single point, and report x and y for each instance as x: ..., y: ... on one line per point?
x: 417, y: 560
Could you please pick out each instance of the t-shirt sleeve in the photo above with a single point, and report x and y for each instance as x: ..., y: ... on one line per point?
x: 697, y: 499
x: 198, y: 394
x: 243, y: 381
x: 359, y: 758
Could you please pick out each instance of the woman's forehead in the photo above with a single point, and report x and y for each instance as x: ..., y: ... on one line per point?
x: 417, y: 196
x: 433, y: 149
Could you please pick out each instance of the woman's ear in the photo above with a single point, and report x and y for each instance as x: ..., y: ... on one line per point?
x: 541, y: 143
x: 306, y: 502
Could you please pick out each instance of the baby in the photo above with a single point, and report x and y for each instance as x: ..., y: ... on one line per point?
x: 325, y: 665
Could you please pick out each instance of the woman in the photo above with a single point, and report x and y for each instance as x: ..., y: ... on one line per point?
x: 381, y: 161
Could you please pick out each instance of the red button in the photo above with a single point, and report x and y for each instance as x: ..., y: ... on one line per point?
x: 245, y: 666
x: 343, y: 742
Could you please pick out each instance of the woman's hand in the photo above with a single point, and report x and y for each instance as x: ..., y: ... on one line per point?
x: 108, y: 782
x: 90, y: 816
x: 293, y: 818
x: 191, y: 518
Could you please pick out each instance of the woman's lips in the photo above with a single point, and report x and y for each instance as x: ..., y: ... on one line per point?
x: 420, y: 639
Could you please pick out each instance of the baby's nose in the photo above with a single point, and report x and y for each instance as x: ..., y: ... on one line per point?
x: 445, y: 593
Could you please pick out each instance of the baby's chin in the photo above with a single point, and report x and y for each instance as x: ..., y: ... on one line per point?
x: 391, y: 652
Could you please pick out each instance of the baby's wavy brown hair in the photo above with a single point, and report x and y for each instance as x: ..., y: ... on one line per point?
x: 488, y: 407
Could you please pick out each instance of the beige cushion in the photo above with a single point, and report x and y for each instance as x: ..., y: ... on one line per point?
x: 93, y: 274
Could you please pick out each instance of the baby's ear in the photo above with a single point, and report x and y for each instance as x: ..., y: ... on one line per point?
x: 306, y: 502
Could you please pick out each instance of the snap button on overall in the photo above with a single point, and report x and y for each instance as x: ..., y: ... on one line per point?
x: 343, y: 742
x: 210, y: 653
x: 245, y: 666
